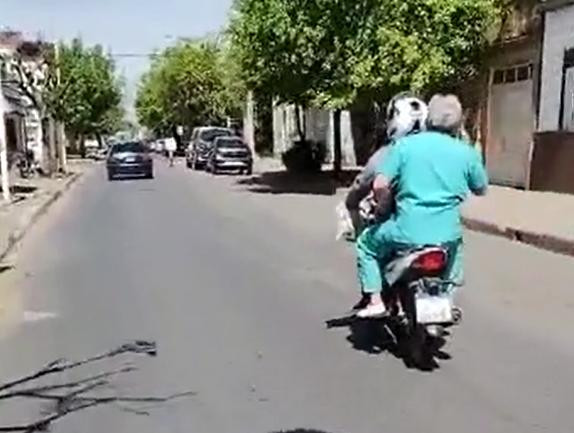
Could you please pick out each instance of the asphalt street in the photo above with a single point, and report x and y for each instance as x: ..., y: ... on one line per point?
x: 235, y: 286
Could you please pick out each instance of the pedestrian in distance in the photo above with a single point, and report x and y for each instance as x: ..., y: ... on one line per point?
x: 170, y: 148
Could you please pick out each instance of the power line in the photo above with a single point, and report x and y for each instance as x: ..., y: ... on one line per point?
x: 134, y: 55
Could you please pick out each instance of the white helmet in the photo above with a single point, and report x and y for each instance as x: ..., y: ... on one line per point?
x: 406, y: 114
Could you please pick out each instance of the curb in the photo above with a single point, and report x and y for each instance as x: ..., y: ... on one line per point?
x: 539, y: 240
x: 20, y: 232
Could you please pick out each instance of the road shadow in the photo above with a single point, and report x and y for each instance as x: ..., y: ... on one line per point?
x: 130, y: 179
x: 300, y: 430
x: 22, y: 189
x: 283, y: 182
x: 5, y: 268
x: 68, y: 394
x: 376, y: 337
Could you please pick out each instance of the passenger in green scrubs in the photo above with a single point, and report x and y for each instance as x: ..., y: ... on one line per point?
x: 430, y: 174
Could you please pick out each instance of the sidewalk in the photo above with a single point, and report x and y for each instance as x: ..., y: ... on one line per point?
x: 541, y: 219
x: 31, y: 199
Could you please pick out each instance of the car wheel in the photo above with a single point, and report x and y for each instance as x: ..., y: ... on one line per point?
x: 249, y: 171
x: 149, y: 175
x: 110, y: 176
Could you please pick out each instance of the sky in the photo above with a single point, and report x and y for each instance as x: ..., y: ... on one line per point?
x: 122, y: 26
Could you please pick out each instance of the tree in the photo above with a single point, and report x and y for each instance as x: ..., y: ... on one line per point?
x: 188, y: 84
x: 424, y: 45
x: 277, y: 42
x: 303, y: 52
x: 332, y: 53
x: 86, y: 95
x: 29, y: 69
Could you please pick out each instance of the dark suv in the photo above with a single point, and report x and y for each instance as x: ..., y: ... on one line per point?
x: 201, y: 146
x: 230, y: 154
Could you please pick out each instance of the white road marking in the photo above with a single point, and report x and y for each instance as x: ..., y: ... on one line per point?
x: 37, y: 316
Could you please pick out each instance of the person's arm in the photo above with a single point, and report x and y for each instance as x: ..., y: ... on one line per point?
x: 477, y: 177
x: 387, y: 173
x: 363, y: 183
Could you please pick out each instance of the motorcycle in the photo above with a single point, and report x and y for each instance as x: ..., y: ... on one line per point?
x: 419, y: 301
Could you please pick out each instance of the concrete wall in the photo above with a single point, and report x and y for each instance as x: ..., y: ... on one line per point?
x: 319, y: 127
x: 558, y: 36
x: 284, y: 128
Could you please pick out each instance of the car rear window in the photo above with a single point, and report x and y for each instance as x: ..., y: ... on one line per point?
x: 212, y: 134
x: 233, y: 142
x: 129, y: 147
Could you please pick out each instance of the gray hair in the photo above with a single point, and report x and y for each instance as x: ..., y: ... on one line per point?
x: 445, y: 114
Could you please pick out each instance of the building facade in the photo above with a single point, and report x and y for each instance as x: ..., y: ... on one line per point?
x: 32, y: 138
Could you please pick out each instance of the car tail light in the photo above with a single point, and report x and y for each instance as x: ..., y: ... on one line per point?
x: 430, y: 262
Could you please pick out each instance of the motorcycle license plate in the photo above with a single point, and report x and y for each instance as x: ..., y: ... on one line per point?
x: 434, y: 309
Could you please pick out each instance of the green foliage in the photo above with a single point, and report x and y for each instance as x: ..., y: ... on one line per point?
x: 87, y: 95
x: 425, y: 45
x: 333, y: 52
x: 191, y: 83
x: 287, y: 48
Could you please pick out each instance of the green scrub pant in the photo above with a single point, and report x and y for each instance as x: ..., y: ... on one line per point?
x: 377, y: 246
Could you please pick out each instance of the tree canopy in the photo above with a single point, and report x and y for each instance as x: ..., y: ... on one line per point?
x: 87, y: 95
x: 191, y: 83
x: 330, y: 52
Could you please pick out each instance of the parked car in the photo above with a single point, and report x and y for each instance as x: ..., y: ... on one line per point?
x: 230, y: 154
x: 129, y: 159
x: 201, y: 146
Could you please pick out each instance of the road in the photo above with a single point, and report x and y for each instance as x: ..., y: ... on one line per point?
x: 235, y: 285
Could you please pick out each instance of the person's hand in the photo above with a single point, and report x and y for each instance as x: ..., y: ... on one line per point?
x: 381, y: 186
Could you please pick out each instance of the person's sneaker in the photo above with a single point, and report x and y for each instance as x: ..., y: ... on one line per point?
x: 372, y: 311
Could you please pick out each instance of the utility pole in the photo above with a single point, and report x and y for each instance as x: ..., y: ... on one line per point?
x: 4, y: 148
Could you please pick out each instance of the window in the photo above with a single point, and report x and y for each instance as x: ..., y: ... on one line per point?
x: 510, y: 75
x: 212, y: 134
x: 522, y: 73
x: 134, y: 147
x: 229, y: 142
x: 513, y: 74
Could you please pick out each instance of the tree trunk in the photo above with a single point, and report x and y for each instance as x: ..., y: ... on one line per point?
x: 337, y: 149
x: 52, y: 152
x: 300, y: 123
x: 73, y: 140
x: 4, y: 154
x: 61, y: 147
x: 82, y: 146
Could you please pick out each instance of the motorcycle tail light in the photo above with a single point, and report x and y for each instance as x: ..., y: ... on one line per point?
x: 430, y: 262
